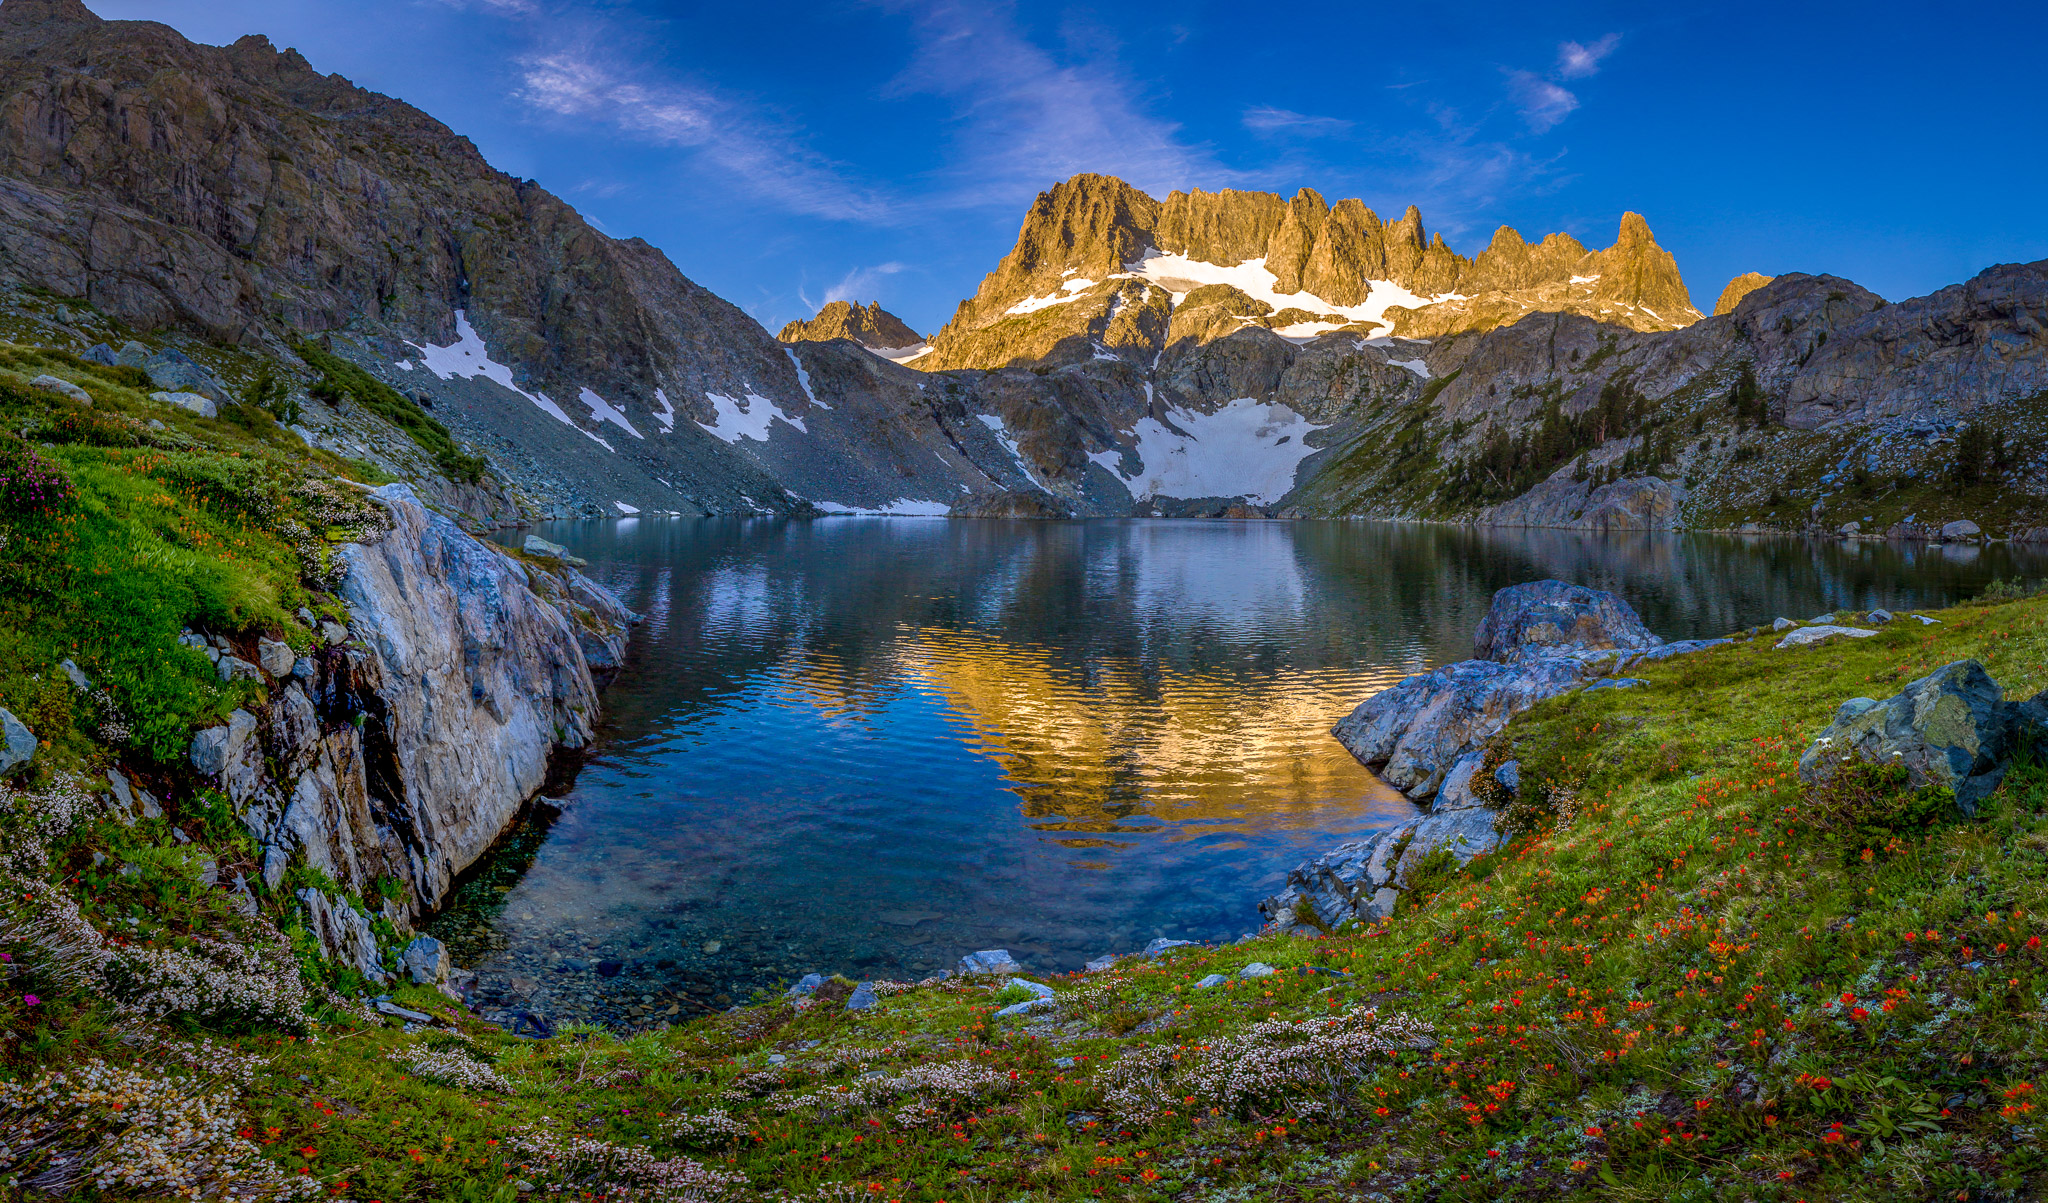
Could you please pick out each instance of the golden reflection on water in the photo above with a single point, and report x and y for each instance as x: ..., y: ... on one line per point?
x: 1118, y: 752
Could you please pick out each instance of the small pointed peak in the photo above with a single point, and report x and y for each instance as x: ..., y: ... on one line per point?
x: 1309, y: 198
x: 47, y: 12
x: 1408, y: 229
x: 1634, y: 231
x: 1738, y: 288
x: 1437, y: 243
x: 1507, y: 239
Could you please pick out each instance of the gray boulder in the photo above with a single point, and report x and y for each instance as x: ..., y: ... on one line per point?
x: 1160, y: 945
x: 1027, y: 1007
x: 344, y: 933
x: 1211, y: 982
x: 1037, y: 989
x: 1960, y: 529
x: 1257, y: 969
x: 1949, y: 728
x: 1457, y: 792
x: 63, y: 388
x: 1541, y: 617
x: 174, y: 371
x: 426, y: 961
x: 1783, y: 624
x: 277, y: 658
x: 863, y: 998
x: 805, y: 987
x: 190, y: 402
x: 1808, y: 636
x: 234, y: 668
x: 17, y: 742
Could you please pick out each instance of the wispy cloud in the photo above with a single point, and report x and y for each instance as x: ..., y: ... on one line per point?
x: 1575, y: 61
x: 1024, y: 118
x: 516, y: 8
x: 1543, y: 103
x: 764, y: 158
x: 1265, y: 119
x: 860, y: 284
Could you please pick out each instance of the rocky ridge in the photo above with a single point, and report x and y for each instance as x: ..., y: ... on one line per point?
x: 1099, y: 263
x: 870, y: 325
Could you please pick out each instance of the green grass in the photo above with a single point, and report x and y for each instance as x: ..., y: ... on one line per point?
x: 1646, y: 1000
x: 218, y: 524
x: 341, y: 380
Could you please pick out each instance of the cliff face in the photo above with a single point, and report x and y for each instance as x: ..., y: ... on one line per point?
x: 405, y: 747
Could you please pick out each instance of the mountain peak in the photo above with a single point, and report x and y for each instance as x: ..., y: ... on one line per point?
x: 46, y: 12
x: 870, y: 325
x: 1738, y: 288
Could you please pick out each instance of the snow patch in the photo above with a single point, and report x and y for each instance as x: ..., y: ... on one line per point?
x: 603, y: 411
x: 903, y: 354
x: 404, y: 365
x: 626, y: 509
x: 1307, y: 332
x: 804, y: 378
x: 1414, y: 365
x: 1585, y: 279
x: 469, y: 358
x: 747, y: 419
x: 1248, y: 448
x: 902, y: 507
x: 1072, y: 288
x: 667, y: 416
x: 1002, y: 433
x: 1252, y: 279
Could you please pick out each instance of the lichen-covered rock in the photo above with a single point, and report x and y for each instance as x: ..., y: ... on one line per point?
x: 1540, y: 617
x: 1809, y: 636
x: 1949, y: 728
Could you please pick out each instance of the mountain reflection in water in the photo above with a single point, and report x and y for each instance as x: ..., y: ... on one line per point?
x: 871, y: 745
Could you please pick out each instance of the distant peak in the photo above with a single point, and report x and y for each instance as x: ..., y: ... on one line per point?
x: 1634, y: 231
x: 870, y: 325
x: 46, y: 12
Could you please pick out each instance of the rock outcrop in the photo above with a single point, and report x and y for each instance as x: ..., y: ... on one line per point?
x: 414, y: 739
x: 1427, y: 736
x: 870, y: 325
x: 1537, y: 640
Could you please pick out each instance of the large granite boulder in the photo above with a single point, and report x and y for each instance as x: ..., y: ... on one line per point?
x: 1543, y: 617
x: 1949, y: 728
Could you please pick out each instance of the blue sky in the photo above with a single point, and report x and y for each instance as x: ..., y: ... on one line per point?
x: 783, y: 154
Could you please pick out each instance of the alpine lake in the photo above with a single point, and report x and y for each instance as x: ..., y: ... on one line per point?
x: 869, y: 746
